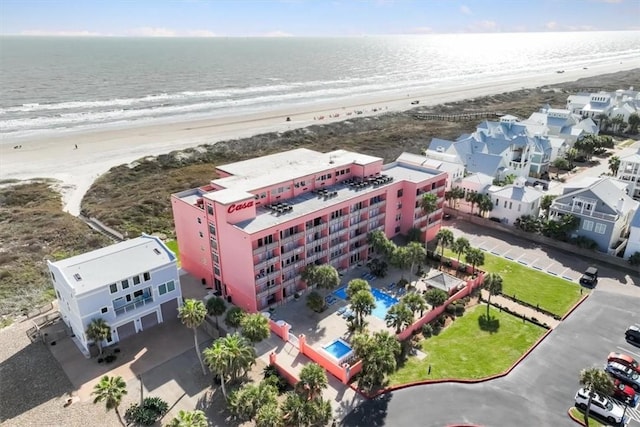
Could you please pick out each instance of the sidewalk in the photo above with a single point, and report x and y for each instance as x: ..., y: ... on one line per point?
x: 520, y: 309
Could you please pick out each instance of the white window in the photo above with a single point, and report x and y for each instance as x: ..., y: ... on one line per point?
x: 136, y: 280
x: 113, y: 288
x: 600, y: 228
x: 146, y: 276
x: 171, y: 286
x: 125, y: 284
x: 587, y: 225
x: 162, y: 289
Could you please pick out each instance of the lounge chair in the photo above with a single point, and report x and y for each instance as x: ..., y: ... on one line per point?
x: 402, y: 291
x: 347, y: 314
x: 341, y: 310
x: 391, y: 285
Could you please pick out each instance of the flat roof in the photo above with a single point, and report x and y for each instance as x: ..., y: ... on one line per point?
x: 101, y: 267
x: 227, y: 196
x: 308, y: 203
x: 250, y: 175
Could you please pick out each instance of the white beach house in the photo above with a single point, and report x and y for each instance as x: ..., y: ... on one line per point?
x: 132, y: 285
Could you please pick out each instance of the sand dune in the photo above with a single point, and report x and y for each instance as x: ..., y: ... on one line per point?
x: 99, y: 150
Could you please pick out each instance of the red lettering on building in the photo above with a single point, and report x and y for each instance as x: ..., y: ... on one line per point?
x: 239, y: 206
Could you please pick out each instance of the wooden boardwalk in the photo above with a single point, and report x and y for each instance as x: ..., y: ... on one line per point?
x: 458, y: 117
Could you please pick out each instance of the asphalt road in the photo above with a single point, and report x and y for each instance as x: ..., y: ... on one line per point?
x: 537, y: 393
x: 540, y: 390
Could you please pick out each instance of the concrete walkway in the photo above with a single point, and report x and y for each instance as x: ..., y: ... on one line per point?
x: 520, y: 309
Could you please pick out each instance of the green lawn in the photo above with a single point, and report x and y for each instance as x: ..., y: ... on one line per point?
x: 463, y: 350
x: 552, y: 293
x: 580, y: 415
x: 173, y: 245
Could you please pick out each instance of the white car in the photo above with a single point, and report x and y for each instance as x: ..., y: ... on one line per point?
x: 600, y: 405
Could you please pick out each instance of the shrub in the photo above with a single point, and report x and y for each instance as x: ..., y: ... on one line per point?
x: 402, y: 283
x: 278, y: 382
x: 436, y: 328
x: 634, y: 259
x: 450, y: 309
x: 151, y: 410
x: 427, y: 330
x: 459, y: 310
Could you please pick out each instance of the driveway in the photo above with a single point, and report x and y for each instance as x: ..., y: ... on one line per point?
x: 537, y: 393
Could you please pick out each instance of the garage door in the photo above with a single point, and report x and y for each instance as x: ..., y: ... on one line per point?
x: 169, y: 309
x: 149, y: 320
x: 126, y: 330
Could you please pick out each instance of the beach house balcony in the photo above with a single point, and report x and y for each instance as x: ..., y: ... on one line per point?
x: 573, y: 209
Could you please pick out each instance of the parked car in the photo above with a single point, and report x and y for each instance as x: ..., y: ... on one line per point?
x: 589, y: 277
x: 624, y: 359
x: 416, y: 102
x: 633, y: 334
x: 625, y: 375
x: 600, y: 405
x: 625, y: 393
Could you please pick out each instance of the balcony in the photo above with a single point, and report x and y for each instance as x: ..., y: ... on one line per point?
x: 580, y: 212
x: 292, y: 238
x: 338, y: 220
x: 263, y: 278
x: 291, y: 281
x: 379, y: 204
x: 297, y: 266
x: 319, y: 241
x: 140, y: 302
x: 317, y: 228
x: 293, y: 251
x: 263, y: 248
x: 316, y: 255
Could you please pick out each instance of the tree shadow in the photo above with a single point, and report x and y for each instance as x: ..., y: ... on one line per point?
x: 489, y: 324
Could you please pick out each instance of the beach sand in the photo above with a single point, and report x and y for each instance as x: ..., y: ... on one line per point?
x: 99, y: 150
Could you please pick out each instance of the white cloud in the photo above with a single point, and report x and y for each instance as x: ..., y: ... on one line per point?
x: 465, y: 10
x: 152, y: 32
x: 201, y: 33
x: 68, y: 33
x: 551, y: 25
x: 276, y: 33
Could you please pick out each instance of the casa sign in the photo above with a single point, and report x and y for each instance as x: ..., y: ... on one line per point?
x: 239, y: 206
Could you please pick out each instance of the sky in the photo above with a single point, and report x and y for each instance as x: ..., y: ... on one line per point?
x: 270, y: 18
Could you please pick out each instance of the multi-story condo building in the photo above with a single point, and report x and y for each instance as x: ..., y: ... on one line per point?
x: 132, y: 285
x: 250, y: 233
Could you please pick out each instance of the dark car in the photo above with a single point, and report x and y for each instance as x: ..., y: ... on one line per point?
x: 626, y: 375
x: 416, y: 102
x: 589, y: 277
x: 633, y: 334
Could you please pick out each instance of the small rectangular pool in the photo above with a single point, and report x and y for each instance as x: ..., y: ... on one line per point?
x: 339, y: 350
x: 383, y: 301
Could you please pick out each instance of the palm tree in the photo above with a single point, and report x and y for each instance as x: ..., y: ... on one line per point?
x: 595, y: 380
x: 234, y: 317
x: 614, y: 165
x: 362, y: 304
x: 571, y: 155
x: 245, y: 401
x: 602, y: 119
x: 473, y: 198
x: 378, y: 353
x: 255, y: 327
x: 460, y: 246
x: 429, y: 203
x: 401, y: 258
x: 269, y: 415
x: 493, y: 285
x: 485, y: 204
x: 415, y: 254
x: 378, y: 241
x: 323, y: 276
x: 356, y: 285
x: 295, y: 411
x: 315, y: 301
x: 216, y: 307
x: 110, y: 390
x: 444, y: 238
x: 192, y: 314
x: 98, y: 330
x: 634, y: 122
x: 475, y: 257
x: 230, y: 356
x: 313, y: 379
x: 457, y: 193
x: 415, y: 302
x: 194, y: 418
x: 399, y: 316
x: 617, y: 122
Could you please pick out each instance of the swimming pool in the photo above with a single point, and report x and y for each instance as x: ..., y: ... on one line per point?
x: 339, y: 350
x: 383, y: 301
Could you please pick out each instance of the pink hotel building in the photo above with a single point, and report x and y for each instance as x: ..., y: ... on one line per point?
x: 250, y: 233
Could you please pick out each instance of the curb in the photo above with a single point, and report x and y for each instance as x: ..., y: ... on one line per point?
x: 576, y: 420
x: 575, y: 306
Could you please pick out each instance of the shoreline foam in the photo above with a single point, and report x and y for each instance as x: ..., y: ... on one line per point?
x: 100, y: 149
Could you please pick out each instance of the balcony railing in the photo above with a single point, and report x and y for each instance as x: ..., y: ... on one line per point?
x: 316, y: 228
x: 263, y: 248
x: 292, y: 237
x: 338, y: 220
x: 567, y: 208
x: 378, y: 204
x: 296, y: 250
x: 133, y: 305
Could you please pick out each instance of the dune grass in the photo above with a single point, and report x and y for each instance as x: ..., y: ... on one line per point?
x: 173, y: 245
x: 535, y: 287
x: 470, y: 349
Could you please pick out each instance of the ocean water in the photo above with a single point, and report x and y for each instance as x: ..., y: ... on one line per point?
x: 50, y: 84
